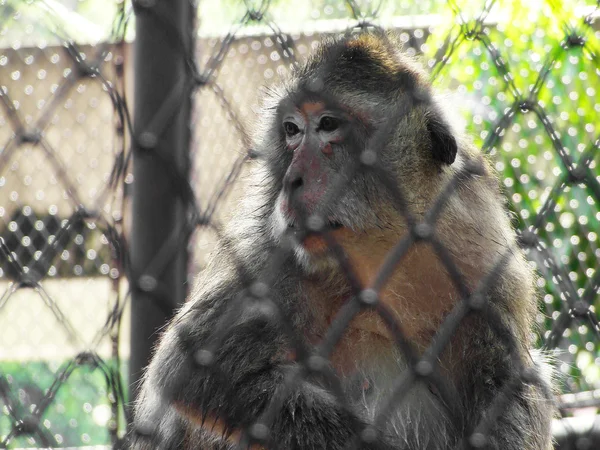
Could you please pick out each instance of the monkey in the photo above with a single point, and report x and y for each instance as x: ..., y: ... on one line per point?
x: 304, y: 331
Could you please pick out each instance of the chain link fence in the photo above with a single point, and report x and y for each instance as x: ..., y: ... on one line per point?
x: 87, y: 234
x: 63, y: 180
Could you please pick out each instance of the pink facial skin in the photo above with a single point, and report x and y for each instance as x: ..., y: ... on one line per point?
x: 311, y: 131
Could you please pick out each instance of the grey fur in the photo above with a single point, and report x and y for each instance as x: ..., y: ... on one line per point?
x: 423, y: 153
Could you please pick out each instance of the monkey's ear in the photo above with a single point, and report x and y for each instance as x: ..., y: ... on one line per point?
x: 443, y: 144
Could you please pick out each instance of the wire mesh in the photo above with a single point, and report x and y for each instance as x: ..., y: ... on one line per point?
x: 528, y: 93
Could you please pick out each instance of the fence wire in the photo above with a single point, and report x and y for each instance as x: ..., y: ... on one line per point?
x: 67, y: 136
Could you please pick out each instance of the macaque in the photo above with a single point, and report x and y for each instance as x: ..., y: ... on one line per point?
x: 361, y: 192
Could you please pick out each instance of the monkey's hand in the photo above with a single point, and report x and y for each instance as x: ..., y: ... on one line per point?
x: 228, y: 390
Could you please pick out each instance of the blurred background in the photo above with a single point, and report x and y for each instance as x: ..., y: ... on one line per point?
x: 90, y: 88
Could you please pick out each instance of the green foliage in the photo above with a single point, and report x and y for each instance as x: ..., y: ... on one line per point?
x: 80, y: 413
x: 50, y: 22
x: 529, y: 75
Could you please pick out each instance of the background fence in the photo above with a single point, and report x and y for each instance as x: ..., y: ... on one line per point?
x: 74, y: 258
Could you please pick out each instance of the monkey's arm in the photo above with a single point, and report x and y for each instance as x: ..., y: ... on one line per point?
x: 516, y: 414
x: 246, y: 373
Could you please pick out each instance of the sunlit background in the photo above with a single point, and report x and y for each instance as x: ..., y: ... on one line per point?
x: 524, y: 76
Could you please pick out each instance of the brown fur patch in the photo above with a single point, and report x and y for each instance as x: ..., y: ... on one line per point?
x: 309, y: 109
x: 213, y: 425
x: 419, y: 294
x: 375, y: 47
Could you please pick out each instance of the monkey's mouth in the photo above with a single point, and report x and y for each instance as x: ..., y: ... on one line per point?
x: 332, y: 225
x: 314, y: 242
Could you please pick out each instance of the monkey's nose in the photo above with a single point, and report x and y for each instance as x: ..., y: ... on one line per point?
x: 293, y: 184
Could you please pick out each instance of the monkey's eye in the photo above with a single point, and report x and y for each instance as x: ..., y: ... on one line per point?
x: 328, y: 123
x: 290, y: 128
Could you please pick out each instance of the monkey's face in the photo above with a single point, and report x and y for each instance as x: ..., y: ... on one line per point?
x: 323, y: 186
x: 314, y: 135
x: 350, y: 124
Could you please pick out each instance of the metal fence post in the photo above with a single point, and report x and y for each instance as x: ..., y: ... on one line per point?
x: 164, y: 36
